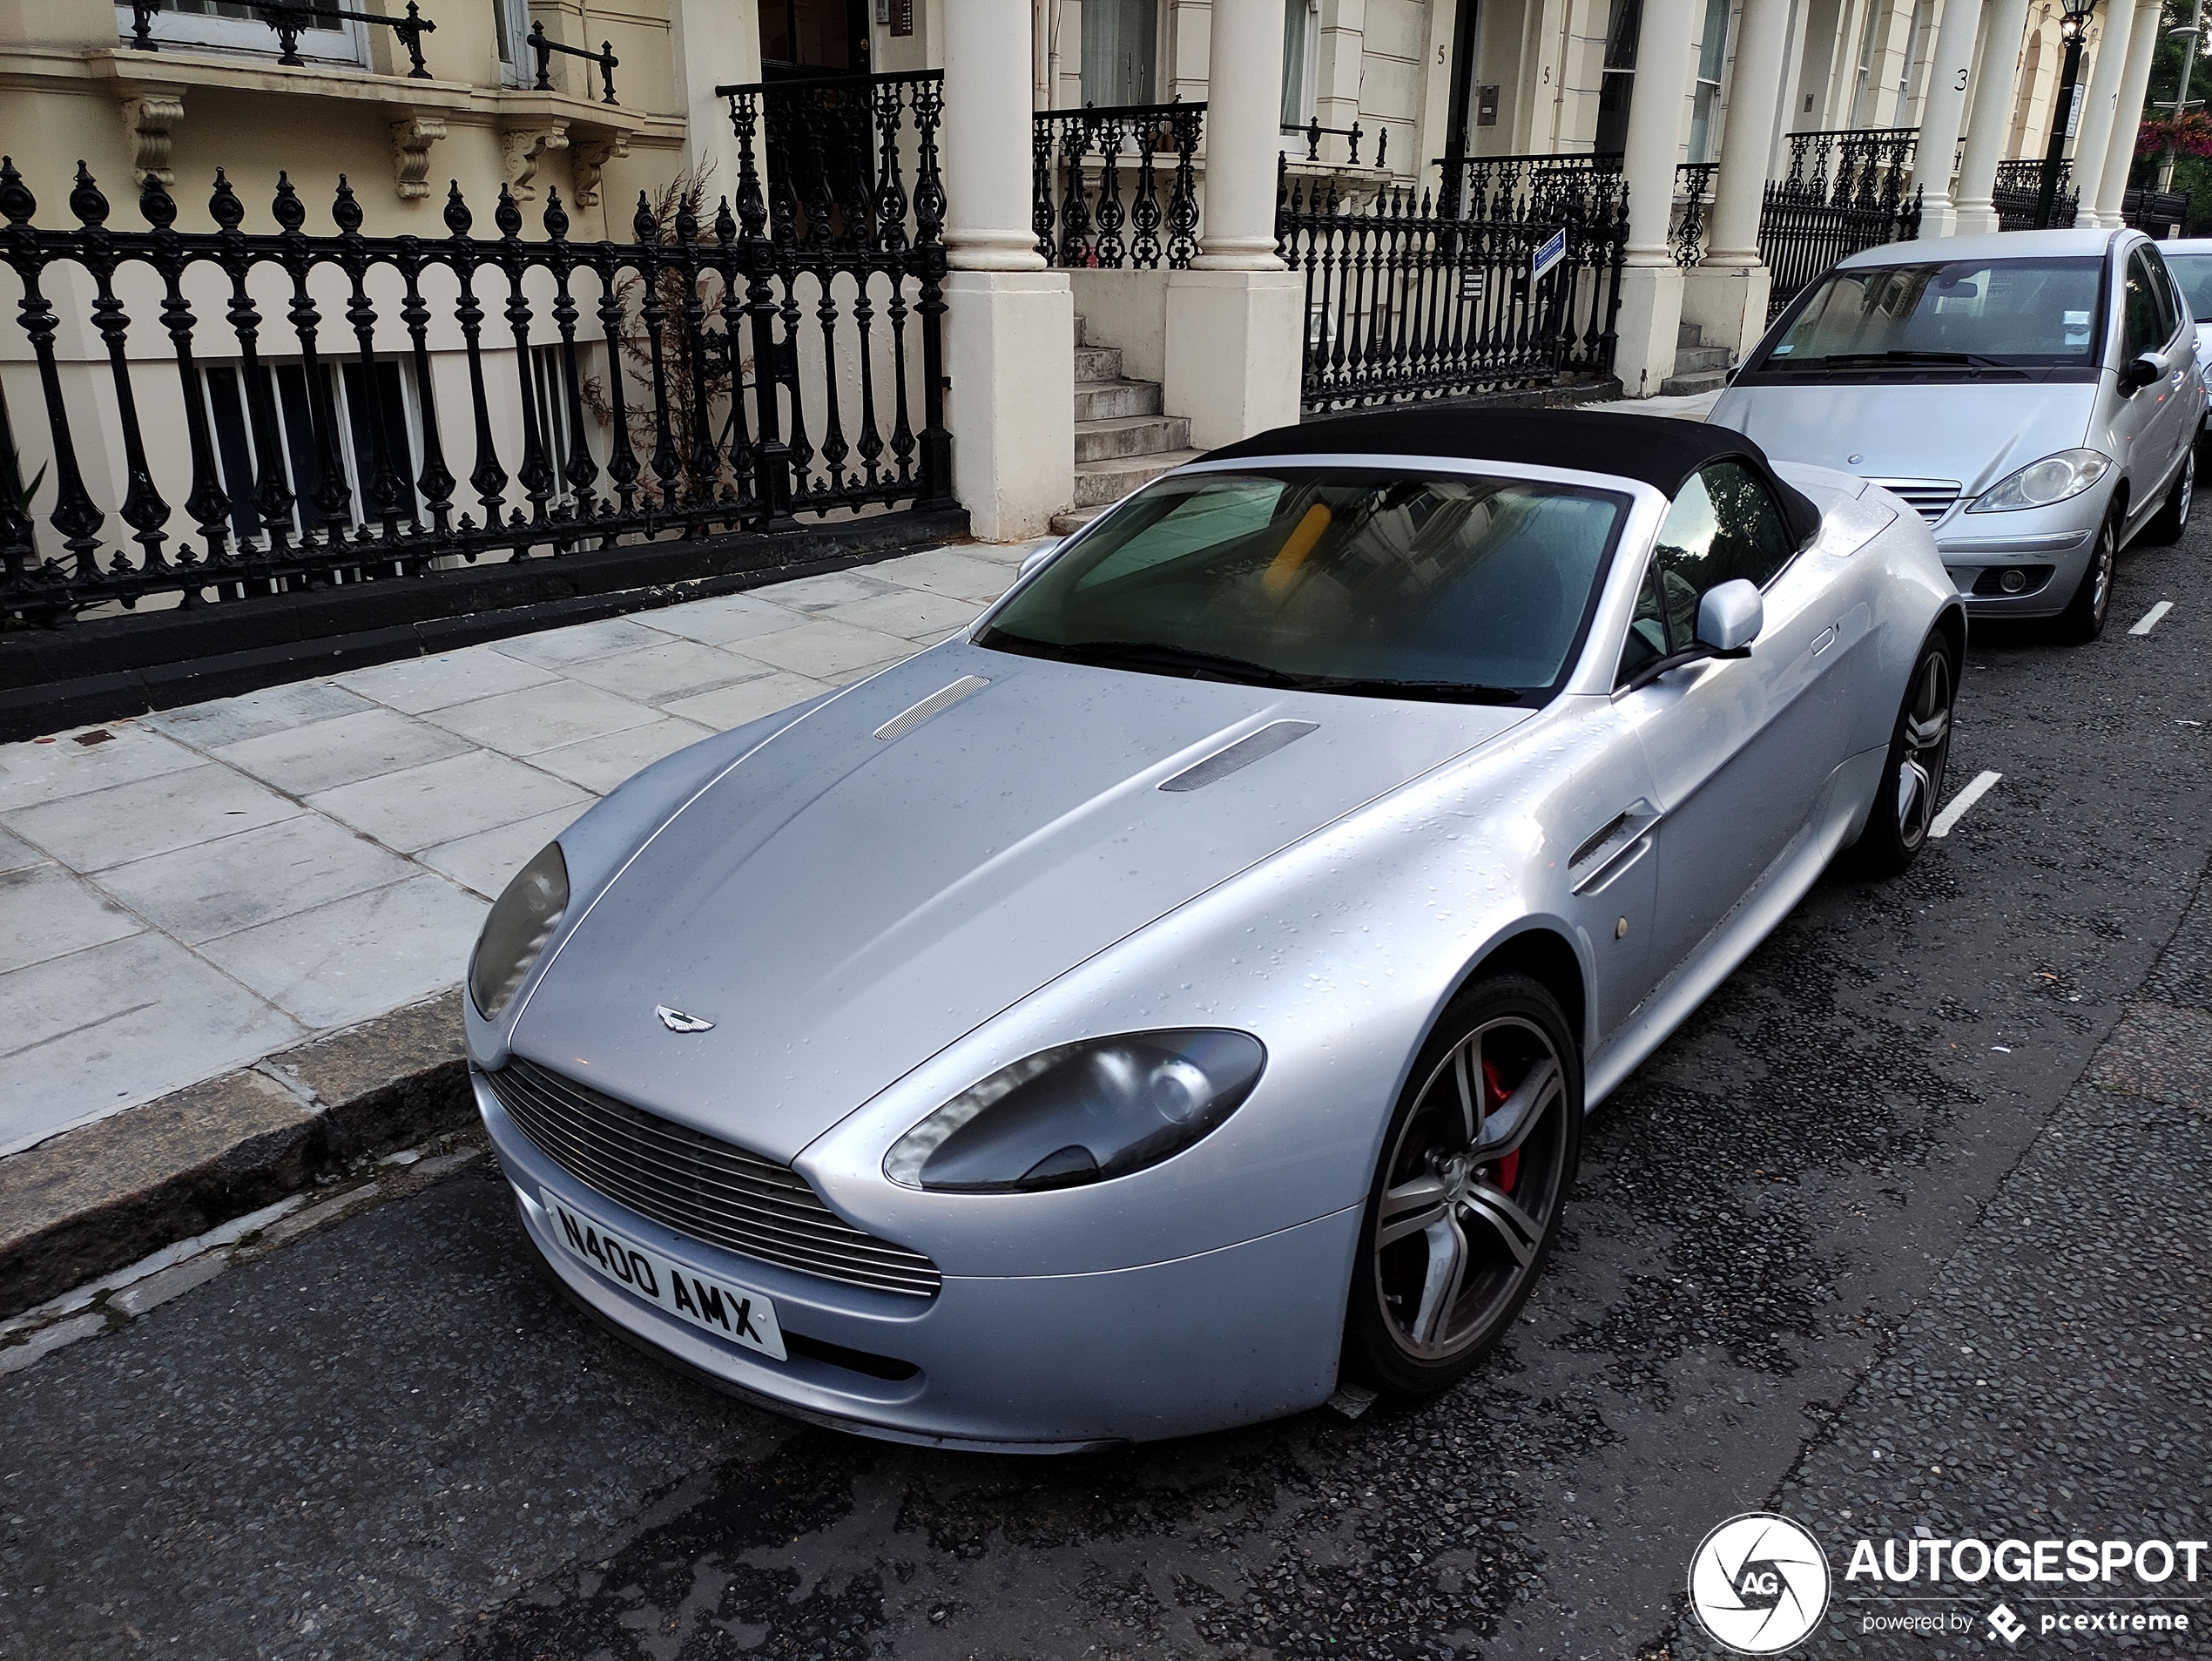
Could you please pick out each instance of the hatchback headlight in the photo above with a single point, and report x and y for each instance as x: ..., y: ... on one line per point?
x: 2040, y: 483
x: 1081, y: 1113
x: 522, y: 920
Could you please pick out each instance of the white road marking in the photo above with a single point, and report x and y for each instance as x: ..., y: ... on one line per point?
x: 1957, y: 809
x: 2150, y: 618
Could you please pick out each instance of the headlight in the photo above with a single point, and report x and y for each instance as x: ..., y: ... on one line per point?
x: 523, y: 919
x: 1081, y: 1113
x: 2040, y: 483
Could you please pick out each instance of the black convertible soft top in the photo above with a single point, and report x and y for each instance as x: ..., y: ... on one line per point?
x: 1658, y: 450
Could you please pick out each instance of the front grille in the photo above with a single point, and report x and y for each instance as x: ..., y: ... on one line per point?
x: 1929, y: 498
x: 698, y: 1187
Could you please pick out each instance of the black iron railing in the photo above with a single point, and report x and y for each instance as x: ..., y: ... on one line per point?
x: 292, y: 18
x: 2016, y: 190
x: 1116, y: 187
x: 674, y: 385
x: 1508, y: 279
x: 1844, y: 191
x: 544, y: 45
x: 2157, y: 213
x: 1693, y: 192
x: 1313, y: 133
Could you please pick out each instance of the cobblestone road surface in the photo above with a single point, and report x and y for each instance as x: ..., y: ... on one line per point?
x: 1907, y: 1229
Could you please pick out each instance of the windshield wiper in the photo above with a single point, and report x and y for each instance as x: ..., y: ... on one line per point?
x: 1447, y: 692
x: 1903, y: 356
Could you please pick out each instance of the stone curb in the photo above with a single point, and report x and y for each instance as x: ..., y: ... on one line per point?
x: 95, y: 1199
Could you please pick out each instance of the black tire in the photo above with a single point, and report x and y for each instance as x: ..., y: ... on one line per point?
x: 2083, y: 620
x: 2172, y: 518
x: 1897, y: 826
x: 1431, y: 1203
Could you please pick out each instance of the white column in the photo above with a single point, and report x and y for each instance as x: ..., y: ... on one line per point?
x: 2134, y: 87
x: 2097, y: 110
x: 1989, y: 117
x: 1010, y: 323
x: 1727, y: 294
x: 1233, y: 320
x: 1950, y: 71
x: 1243, y: 111
x: 715, y: 45
x: 1651, y: 282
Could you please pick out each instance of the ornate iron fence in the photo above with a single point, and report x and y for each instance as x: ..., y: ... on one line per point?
x: 1099, y: 198
x: 1441, y: 296
x: 2014, y: 195
x: 1844, y: 191
x: 674, y: 385
x: 1693, y: 193
x: 2156, y: 213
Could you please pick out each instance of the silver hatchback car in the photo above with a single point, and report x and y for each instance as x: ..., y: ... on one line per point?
x: 2034, y: 395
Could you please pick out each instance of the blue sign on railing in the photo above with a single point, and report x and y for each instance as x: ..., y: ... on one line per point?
x: 1553, y: 251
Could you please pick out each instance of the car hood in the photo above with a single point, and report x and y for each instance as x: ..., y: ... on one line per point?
x: 1971, y: 432
x: 842, y: 906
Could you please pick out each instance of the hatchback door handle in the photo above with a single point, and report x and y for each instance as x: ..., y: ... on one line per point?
x: 1825, y: 639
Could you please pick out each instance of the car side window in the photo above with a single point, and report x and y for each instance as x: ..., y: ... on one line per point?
x: 2169, y: 310
x: 2142, y: 326
x: 1725, y: 525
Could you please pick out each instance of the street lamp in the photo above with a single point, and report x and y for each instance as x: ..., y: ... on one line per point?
x: 2073, y: 24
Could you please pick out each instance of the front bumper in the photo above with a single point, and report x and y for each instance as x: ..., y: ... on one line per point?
x: 2048, y: 566
x: 1015, y: 1363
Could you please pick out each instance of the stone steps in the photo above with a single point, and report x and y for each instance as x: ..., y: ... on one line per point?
x: 1698, y: 367
x: 1100, y: 484
x: 1106, y: 400
x: 1117, y: 436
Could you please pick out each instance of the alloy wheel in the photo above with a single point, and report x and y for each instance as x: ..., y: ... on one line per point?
x: 1473, y: 1183
x: 1927, y: 749
x: 2101, y: 575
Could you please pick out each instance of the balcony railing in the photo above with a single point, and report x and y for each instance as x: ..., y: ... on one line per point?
x: 1116, y: 187
x: 1313, y: 133
x: 292, y: 18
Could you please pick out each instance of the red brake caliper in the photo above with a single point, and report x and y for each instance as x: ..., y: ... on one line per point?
x: 1507, y: 1169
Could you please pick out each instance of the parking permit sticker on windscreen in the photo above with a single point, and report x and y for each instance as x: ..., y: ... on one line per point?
x: 2077, y: 327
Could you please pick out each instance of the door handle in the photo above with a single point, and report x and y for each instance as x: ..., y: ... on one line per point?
x: 1825, y: 639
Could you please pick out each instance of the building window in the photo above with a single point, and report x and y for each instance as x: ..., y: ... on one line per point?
x: 1618, y: 86
x: 230, y: 26
x: 298, y: 460
x: 511, y: 22
x: 1907, y: 77
x: 1705, y: 103
x: 813, y: 37
x: 1121, y: 45
x: 1301, y: 60
x: 1862, y: 103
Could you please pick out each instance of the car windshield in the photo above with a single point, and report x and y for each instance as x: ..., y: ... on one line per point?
x: 2194, y: 273
x: 1406, y: 584
x: 1967, y: 314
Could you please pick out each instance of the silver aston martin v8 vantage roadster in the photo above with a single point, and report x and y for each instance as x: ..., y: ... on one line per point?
x: 1183, y: 989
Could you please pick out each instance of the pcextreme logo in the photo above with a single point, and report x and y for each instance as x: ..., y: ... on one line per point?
x: 1759, y: 1583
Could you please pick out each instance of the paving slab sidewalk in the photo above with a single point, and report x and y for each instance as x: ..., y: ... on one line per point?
x: 224, y: 926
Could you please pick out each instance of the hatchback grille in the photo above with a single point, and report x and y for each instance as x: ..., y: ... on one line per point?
x: 1929, y: 498
x: 700, y: 1187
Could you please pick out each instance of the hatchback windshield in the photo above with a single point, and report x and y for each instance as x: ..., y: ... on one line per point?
x: 2194, y: 273
x: 1387, y: 584
x: 2022, y: 314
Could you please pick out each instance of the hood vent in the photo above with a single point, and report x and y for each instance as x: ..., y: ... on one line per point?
x: 943, y: 699
x: 1255, y: 747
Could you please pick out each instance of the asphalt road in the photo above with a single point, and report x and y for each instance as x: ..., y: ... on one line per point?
x: 1871, y: 1242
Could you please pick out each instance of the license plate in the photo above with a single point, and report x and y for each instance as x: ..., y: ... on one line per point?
x: 735, y: 1313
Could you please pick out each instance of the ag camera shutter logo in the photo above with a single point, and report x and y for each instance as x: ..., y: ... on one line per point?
x: 1759, y: 1583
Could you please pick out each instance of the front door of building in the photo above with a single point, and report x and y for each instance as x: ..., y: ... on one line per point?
x: 1121, y: 48
x: 805, y: 38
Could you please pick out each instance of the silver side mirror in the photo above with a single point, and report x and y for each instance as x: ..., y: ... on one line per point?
x: 1730, y: 616
x: 1038, y: 555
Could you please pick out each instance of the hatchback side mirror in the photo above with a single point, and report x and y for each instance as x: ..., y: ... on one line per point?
x: 1729, y: 618
x: 2140, y: 371
x: 1038, y: 555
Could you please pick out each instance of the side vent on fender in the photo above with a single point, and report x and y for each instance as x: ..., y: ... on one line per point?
x: 1254, y: 746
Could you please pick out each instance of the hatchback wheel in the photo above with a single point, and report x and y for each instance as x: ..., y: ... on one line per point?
x: 2173, y: 516
x: 1897, y: 826
x: 1467, y: 1199
x: 2083, y: 620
